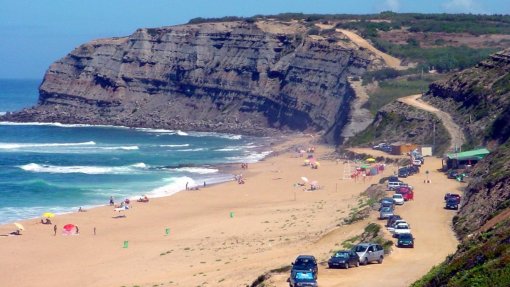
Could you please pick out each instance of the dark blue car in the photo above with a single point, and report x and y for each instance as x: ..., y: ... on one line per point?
x: 344, y: 259
x: 305, y: 262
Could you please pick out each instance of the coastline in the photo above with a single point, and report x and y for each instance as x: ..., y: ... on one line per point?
x: 223, y: 235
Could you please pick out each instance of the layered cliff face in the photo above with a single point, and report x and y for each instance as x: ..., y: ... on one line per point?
x: 228, y: 77
x: 478, y: 99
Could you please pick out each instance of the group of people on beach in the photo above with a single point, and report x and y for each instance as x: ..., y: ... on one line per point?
x: 239, y: 178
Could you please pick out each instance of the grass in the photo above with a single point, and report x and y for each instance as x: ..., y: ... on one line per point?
x: 391, y: 90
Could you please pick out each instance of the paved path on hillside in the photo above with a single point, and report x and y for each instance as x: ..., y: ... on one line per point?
x: 456, y: 134
x: 430, y: 225
x: 391, y: 61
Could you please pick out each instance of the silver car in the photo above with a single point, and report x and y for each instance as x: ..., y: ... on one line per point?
x: 369, y: 252
x: 385, y: 212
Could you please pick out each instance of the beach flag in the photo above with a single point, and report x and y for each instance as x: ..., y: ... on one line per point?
x: 167, y: 231
x: 231, y: 214
x: 126, y: 244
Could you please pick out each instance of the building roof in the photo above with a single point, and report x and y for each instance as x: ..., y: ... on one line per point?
x: 476, y: 154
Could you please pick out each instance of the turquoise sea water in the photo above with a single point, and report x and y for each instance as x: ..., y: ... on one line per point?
x: 58, y: 168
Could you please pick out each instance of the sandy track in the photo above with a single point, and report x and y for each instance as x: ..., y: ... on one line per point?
x: 430, y: 225
x: 391, y: 61
x: 456, y: 134
x: 359, y: 118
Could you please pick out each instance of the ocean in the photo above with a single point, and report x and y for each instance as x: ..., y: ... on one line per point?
x: 51, y: 167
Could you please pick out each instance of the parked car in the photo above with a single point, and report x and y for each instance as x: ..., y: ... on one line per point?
x: 450, y: 195
x: 452, y: 203
x: 379, y: 146
x: 369, y: 252
x: 305, y: 262
x: 414, y: 169
x: 301, y: 278
x: 344, y: 258
x: 393, y: 178
x: 406, y: 192
x: 401, y: 228
x: 391, y: 228
x: 417, y: 162
x: 403, y: 172
x: 386, y: 202
x: 392, y: 185
x: 385, y: 212
x: 453, y: 174
x: 392, y: 219
x: 405, y: 240
x: 398, y: 198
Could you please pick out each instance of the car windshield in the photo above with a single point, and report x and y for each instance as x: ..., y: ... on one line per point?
x: 397, y: 196
x: 360, y: 248
x: 342, y: 255
x: 303, y: 261
x: 386, y: 209
x: 402, y: 226
x: 303, y: 275
x: 405, y: 236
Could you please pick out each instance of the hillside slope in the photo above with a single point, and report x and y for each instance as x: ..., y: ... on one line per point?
x: 483, y: 222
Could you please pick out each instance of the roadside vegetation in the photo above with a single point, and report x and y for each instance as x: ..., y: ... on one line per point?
x: 392, y: 89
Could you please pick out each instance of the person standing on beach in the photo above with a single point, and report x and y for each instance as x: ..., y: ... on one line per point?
x: 77, y: 230
x: 55, y: 230
x: 94, y: 230
x: 187, y: 185
x: 204, y: 183
x: 111, y: 200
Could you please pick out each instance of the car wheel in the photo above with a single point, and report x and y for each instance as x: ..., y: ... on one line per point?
x: 346, y: 265
x: 380, y: 260
x: 357, y: 263
x: 330, y: 266
x: 365, y: 262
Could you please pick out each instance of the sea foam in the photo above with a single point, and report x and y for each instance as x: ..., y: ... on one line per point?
x: 32, y: 145
x: 130, y: 169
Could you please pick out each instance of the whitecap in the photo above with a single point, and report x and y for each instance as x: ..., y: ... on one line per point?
x: 175, y: 185
x: 181, y: 133
x: 34, y: 167
x: 174, y: 145
x: 218, y: 135
x: 32, y: 145
x: 199, y: 170
x: 192, y: 149
x: 251, y: 158
x: 121, y: 148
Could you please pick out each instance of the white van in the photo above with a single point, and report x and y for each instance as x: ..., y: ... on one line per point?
x: 392, y: 185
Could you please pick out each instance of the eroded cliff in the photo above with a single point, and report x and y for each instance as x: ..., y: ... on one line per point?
x: 240, y: 77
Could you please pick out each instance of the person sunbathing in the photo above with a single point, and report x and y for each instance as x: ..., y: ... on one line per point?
x: 143, y: 199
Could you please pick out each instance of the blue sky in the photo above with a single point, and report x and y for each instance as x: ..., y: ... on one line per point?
x: 34, y: 33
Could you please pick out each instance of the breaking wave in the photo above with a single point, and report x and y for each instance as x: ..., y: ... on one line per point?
x: 32, y: 145
x: 129, y: 169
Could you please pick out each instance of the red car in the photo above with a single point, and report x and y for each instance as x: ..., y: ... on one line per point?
x: 406, y: 192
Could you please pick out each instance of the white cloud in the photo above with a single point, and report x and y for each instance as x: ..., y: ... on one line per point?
x: 464, y: 6
x: 392, y: 5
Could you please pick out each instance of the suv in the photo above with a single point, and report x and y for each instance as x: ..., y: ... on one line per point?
x: 369, y: 252
x: 302, y: 278
x: 392, y: 185
x: 392, y: 219
x: 305, y: 263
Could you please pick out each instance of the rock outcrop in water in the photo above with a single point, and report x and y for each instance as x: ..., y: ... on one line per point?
x: 235, y: 77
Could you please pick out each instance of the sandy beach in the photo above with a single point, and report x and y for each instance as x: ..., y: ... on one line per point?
x: 222, y: 235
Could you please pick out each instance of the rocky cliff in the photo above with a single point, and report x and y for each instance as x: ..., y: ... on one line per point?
x: 478, y: 99
x: 242, y: 77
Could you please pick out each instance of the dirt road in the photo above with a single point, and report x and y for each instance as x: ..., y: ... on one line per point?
x: 430, y: 224
x: 456, y: 134
x: 391, y: 61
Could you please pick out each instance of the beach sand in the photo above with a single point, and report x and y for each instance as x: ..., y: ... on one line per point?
x: 223, y: 235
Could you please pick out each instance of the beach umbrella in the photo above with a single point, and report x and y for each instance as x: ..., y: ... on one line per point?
x: 48, y: 215
x: 317, y: 163
x: 370, y: 159
x: 304, y: 179
x: 68, y: 227
x: 19, y: 226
